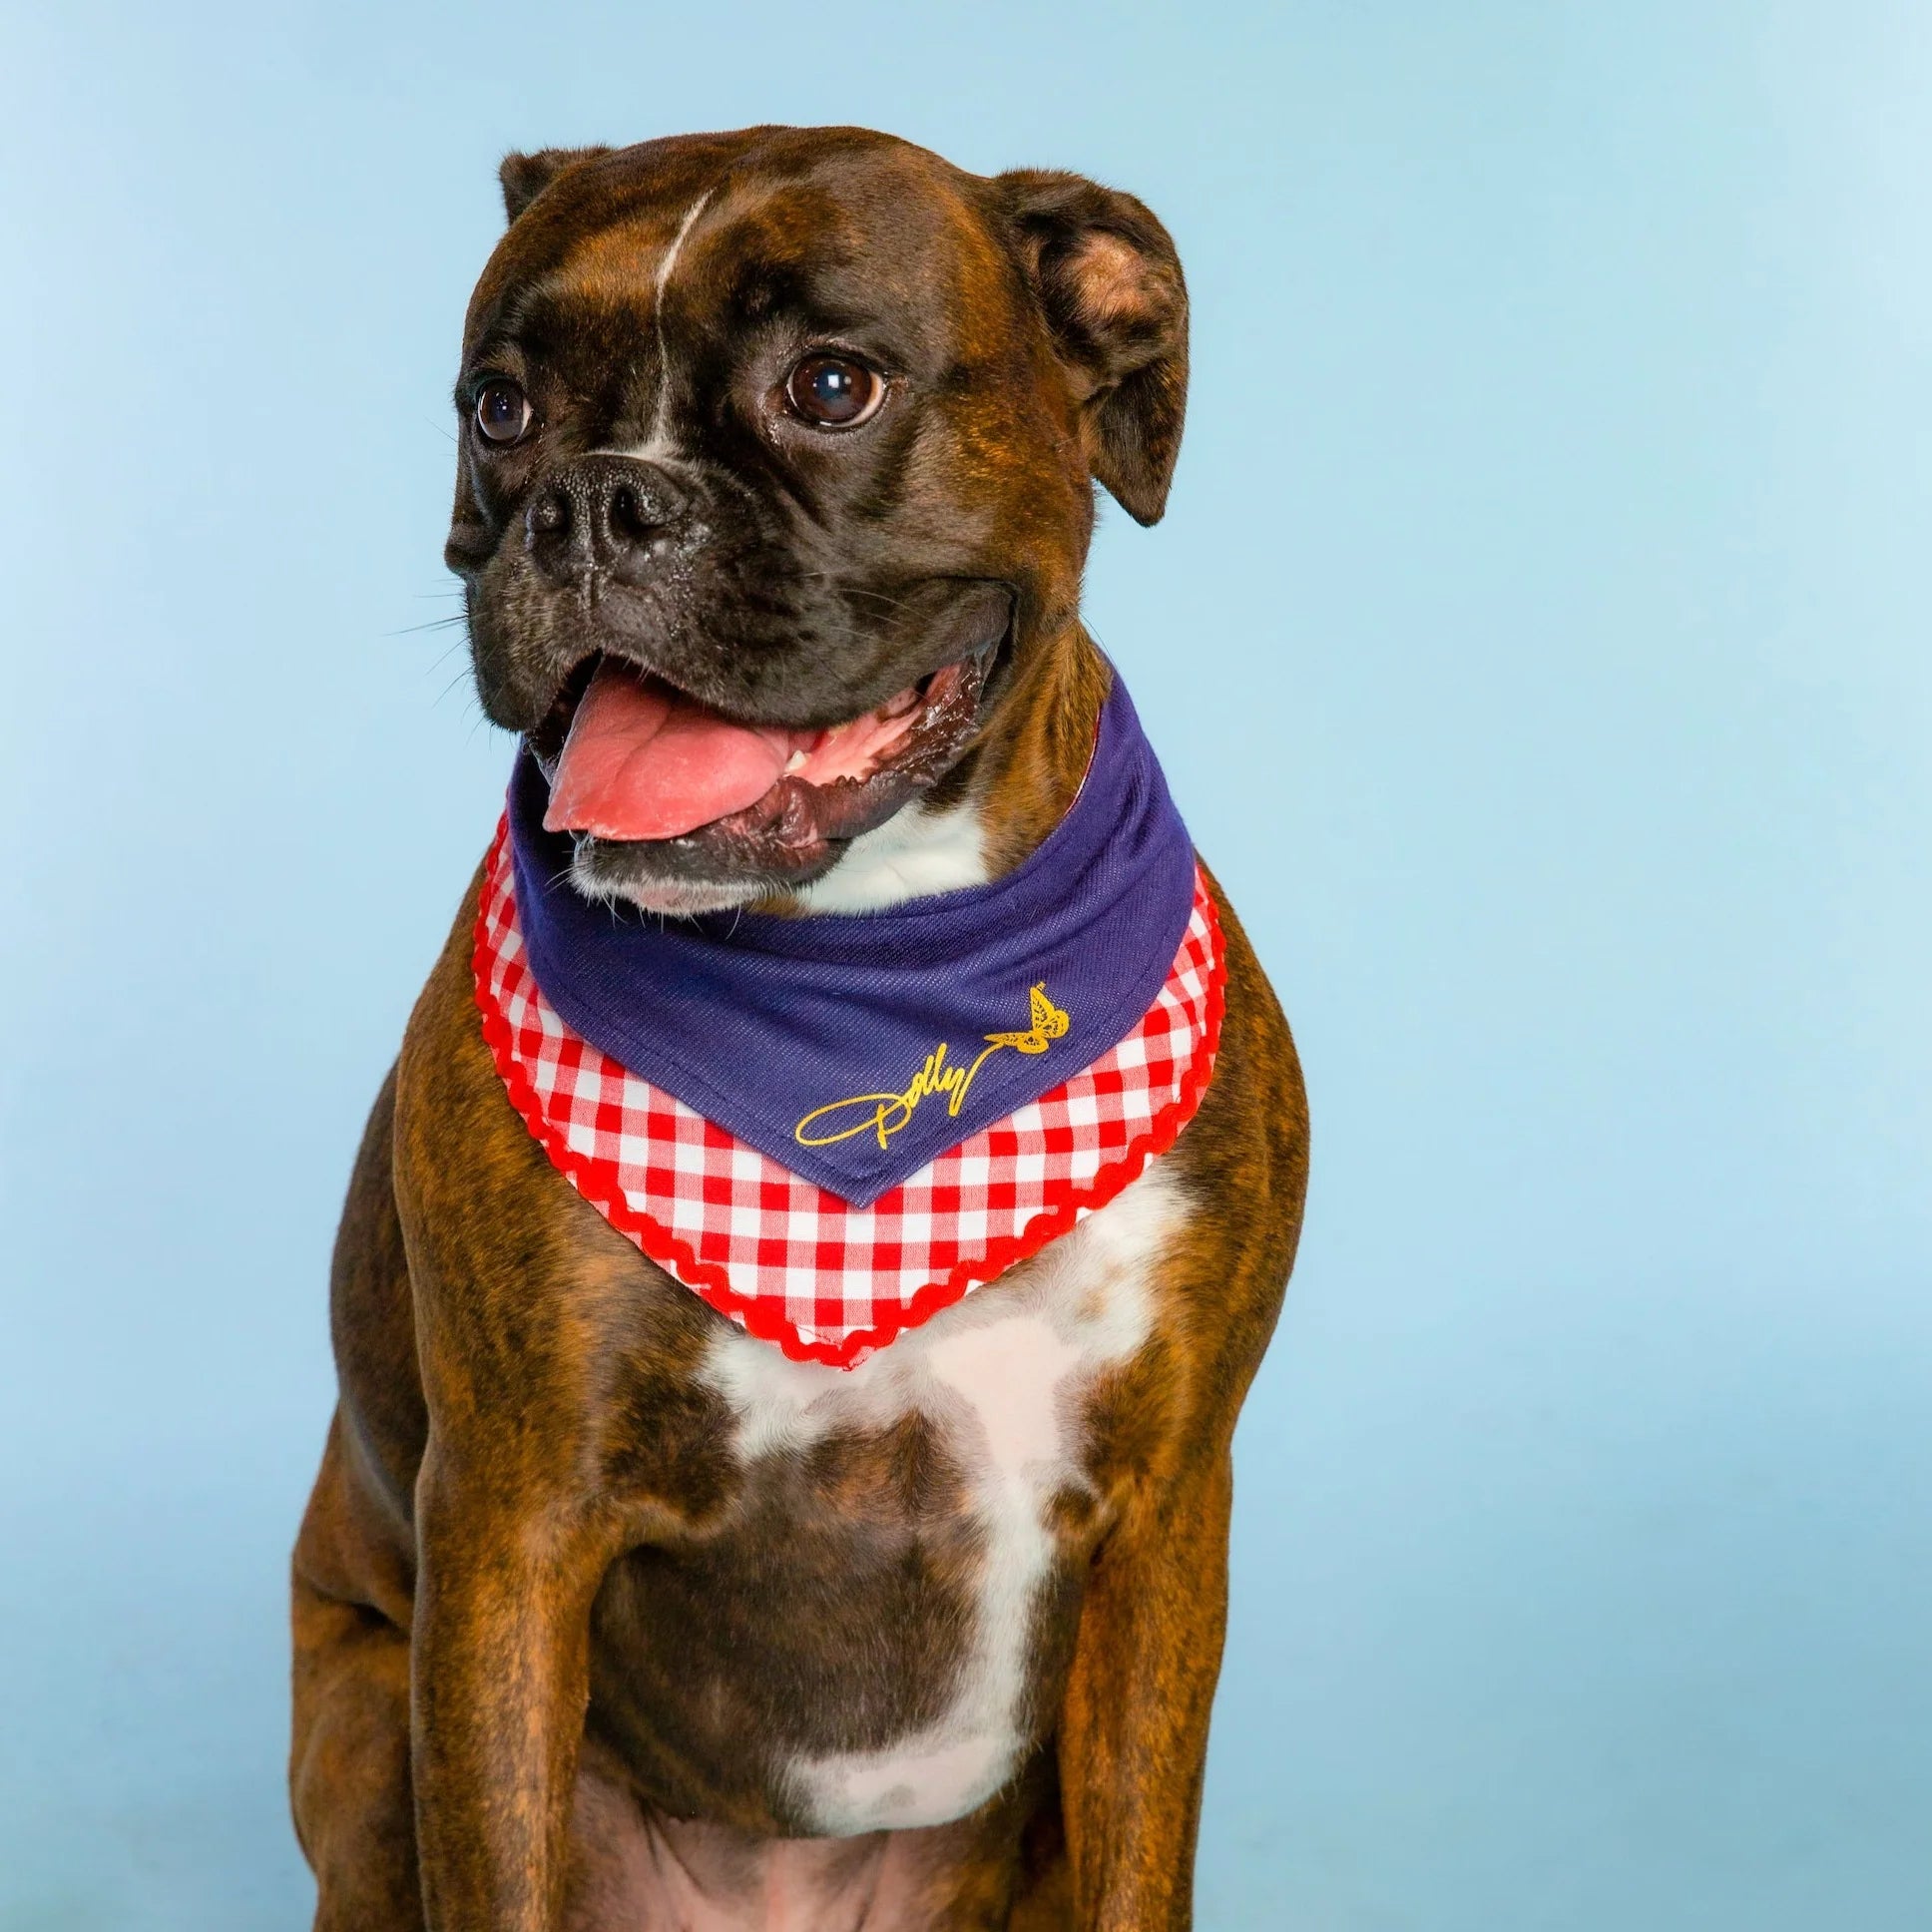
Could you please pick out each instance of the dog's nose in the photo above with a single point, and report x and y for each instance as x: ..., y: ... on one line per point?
x: 607, y: 512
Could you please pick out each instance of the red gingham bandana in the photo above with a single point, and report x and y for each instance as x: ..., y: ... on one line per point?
x: 789, y: 1262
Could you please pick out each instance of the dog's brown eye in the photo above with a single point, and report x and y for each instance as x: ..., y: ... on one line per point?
x: 834, y: 391
x: 502, y: 412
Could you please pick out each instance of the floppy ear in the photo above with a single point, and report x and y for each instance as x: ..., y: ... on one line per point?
x: 525, y: 177
x: 1106, y: 277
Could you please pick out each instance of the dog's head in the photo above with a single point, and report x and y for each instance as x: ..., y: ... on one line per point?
x: 777, y: 470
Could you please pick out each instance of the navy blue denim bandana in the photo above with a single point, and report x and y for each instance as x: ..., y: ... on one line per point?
x: 854, y: 1048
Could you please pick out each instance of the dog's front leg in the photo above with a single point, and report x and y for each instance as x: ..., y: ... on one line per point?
x: 1134, y: 1729
x: 499, y: 1674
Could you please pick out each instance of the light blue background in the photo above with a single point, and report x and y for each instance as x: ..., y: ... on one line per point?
x: 1538, y: 644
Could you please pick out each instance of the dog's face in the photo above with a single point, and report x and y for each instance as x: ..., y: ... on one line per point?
x: 776, y: 471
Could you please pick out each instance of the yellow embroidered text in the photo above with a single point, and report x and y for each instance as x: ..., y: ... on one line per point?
x: 885, y: 1114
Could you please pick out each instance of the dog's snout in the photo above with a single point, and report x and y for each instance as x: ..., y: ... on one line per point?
x: 610, y: 514
x: 556, y: 531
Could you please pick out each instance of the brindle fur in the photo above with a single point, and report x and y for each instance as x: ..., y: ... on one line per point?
x: 543, y: 1612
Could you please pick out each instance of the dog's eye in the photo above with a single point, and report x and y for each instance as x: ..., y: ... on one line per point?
x: 834, y: 391
x: 502, y: 412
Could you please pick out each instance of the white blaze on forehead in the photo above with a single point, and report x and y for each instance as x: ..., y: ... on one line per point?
x: 1002, y: 1376
x: 661, y: 280
x: 659, y: 442
x: 659, y: 445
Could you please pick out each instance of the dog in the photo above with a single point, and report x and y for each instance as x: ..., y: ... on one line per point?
x: 608, y: 1612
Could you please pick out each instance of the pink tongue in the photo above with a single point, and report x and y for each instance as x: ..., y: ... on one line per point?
x: 645, y: 762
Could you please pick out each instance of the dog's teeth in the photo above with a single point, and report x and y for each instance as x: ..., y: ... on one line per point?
x: 794, y: 762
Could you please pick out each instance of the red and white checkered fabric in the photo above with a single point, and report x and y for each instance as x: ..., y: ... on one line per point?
x: 791, y: 1262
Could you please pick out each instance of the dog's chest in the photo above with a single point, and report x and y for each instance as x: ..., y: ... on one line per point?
x: 920, y: 1503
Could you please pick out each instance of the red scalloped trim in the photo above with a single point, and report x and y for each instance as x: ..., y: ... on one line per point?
x: 597, y: 1180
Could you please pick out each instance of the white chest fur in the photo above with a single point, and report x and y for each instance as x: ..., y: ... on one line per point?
x: 1003, y: 1377
x: 915, y: 851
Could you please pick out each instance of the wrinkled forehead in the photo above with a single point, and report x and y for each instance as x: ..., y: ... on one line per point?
x: 844, y: 231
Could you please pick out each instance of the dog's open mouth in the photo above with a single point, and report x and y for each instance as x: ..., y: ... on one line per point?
x: 634, y: 761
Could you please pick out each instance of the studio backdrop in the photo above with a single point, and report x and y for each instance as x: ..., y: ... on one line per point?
x: 1537, y: 643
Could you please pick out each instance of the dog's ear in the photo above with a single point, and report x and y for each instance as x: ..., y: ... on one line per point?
x: 525, y: 177
x: 1106, y: 277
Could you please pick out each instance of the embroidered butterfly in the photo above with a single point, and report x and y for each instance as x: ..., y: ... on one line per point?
x: 1048, y: 1023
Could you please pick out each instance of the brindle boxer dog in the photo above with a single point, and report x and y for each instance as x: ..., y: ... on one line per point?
x: 797, y: 421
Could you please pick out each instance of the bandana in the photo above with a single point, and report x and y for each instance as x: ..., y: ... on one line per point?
x: 852, y: 1049
x: 827, y: 1275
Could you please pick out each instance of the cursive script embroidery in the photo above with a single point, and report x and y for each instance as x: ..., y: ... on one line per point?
x: 885, y: 1114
